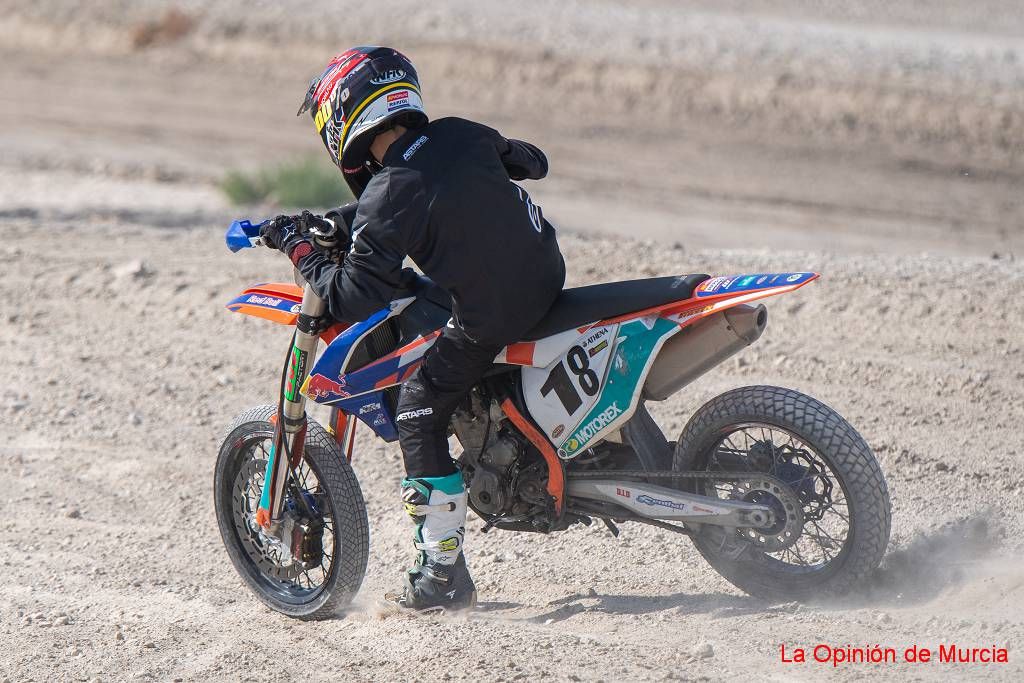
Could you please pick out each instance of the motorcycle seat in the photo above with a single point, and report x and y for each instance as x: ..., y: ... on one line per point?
x: 578, y: 306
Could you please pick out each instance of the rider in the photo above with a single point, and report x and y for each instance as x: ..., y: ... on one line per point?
x: 441, y: 193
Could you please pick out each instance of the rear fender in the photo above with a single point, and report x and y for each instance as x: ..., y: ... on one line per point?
x: 719, y: 293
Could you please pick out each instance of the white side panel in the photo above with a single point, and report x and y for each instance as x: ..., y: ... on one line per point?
x: 561, y: 393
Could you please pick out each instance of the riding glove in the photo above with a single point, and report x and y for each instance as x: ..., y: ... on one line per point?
x: 281, y: 233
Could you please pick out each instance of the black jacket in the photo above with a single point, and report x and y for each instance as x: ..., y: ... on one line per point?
x: 445, y: 199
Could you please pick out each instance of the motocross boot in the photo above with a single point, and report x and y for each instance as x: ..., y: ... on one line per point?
x: 439, y: 579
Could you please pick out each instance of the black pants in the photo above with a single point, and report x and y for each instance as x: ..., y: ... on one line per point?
x: 450, y: 369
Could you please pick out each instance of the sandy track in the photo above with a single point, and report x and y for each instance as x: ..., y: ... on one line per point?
x: 113, y: 409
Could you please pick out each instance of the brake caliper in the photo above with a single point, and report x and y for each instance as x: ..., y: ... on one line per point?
x: 307, y: 542
x: 304, y: 535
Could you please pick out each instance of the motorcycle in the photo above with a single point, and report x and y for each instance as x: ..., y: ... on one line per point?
x: 775, y: 489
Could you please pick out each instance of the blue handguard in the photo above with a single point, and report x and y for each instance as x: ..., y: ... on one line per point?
x: 243, y: 234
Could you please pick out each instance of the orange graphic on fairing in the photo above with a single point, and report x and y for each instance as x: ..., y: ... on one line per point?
x: 278, y: 302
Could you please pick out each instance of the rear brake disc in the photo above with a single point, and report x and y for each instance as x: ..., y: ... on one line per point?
x: 789, y: 516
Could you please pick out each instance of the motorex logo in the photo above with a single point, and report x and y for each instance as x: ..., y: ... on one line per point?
x: 587, y: 432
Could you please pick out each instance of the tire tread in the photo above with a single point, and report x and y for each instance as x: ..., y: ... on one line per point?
x: 351, y: 523
x: 833, y: 437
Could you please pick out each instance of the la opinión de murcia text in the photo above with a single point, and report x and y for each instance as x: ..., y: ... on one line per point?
x: 843, y: 655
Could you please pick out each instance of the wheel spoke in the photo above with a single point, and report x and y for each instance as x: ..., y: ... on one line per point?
x: 822, y: 523
x: 269, y: 556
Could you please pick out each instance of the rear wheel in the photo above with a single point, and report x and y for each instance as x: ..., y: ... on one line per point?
x: 338, y: 536
x: 822, y: 482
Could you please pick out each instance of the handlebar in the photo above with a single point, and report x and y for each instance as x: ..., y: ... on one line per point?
x: 243, y: 234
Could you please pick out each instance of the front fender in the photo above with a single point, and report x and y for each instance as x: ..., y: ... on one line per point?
x: 278, y: 302
x: 275, y: 301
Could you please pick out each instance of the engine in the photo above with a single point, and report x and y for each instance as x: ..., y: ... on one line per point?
x: 491, y: 454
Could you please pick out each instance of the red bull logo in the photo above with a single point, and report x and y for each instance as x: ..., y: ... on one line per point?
x: 319, y: 387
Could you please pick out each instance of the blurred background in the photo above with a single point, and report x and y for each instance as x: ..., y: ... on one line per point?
x: 868, y: 125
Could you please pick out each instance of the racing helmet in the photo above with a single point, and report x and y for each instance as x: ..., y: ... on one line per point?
x: 362, y: 93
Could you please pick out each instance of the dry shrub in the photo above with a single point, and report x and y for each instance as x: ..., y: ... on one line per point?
x: 308, y: 183
x: 171, y: 27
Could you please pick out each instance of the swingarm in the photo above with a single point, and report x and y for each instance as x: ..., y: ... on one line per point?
x: 661, y: 503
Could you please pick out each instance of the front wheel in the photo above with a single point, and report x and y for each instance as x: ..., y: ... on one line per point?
x: 305, y: 590
x: 823, y: 483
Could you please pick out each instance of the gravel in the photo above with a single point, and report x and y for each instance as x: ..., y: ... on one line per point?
x: 147, y: 567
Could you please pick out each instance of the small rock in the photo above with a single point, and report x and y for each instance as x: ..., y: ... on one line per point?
x: 941, y: 467
x: 73, y: 513
x: 703, y: 651
x: 149, y: 645
x: 118, y: 636
x: 61, y: 621
x: 223, y: 380
x: 132, y: 269
x: 591, y: 593
x: 883, y: 618
x: 134, y: 419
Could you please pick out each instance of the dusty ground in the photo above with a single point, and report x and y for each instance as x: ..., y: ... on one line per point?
x: 121, y: 375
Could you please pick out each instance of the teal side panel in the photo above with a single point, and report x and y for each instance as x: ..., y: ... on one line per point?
x: 637, y: 344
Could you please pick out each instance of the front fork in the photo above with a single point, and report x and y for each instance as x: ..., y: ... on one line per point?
x: 290, y: 425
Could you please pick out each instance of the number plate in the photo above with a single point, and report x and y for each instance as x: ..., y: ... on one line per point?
x: 562, y: 393
x: 593, y: 388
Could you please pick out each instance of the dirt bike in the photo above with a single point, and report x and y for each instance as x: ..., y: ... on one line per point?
x: 776, y: 490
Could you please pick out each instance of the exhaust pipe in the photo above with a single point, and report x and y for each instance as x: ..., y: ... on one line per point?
x: 700, y: 347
